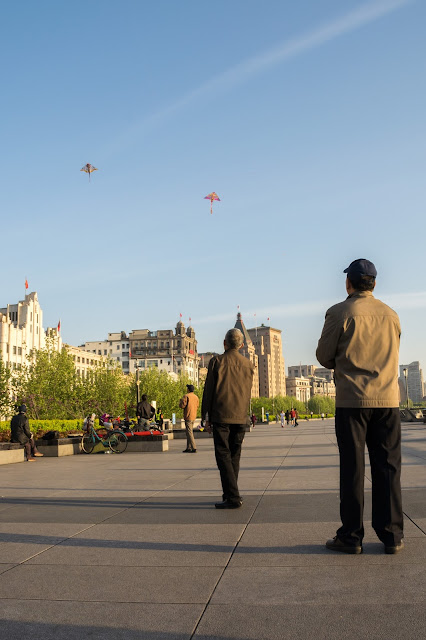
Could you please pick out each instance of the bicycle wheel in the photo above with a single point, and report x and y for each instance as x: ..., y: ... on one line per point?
x: 117, y: 442
x: 87, y: 443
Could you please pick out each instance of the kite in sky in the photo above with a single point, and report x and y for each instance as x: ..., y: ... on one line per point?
x: 88, y: 168
x: 212, y: 196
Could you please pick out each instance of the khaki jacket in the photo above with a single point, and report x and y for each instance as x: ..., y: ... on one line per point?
x: 189, y: 404
x: 227, y: 389
x: 360, y: 341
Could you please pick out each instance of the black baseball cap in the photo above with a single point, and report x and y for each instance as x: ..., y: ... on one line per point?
x: 360, y: 267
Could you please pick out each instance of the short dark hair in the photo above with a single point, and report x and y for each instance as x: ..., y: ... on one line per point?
x: 234, y: 338
x: 144, y: 398
x: 363, y: 283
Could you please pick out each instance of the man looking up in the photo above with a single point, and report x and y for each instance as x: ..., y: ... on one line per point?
x: 360, y: 341
x: 224, y: 408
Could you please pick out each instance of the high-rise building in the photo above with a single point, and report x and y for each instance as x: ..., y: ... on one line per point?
x: 248, y: 351
x: 174, y: 352
x: 299, y: 388
x: 414, y: 380
x: 268, y: 347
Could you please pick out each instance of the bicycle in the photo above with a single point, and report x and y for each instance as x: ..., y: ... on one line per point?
x: 114, y: 439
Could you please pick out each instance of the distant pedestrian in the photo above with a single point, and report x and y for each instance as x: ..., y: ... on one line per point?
x: 312, y: 414
x: 189, y: 403
x: 282, y: 416
x: 253, y: 420
x: 322, y: 416
x: 292, y: 416
x: 144, y: 411
x: 287, y: 416
x: 20, y: 432
x: 360, y: 341
x: 226, y: 401
x: 267, y: 417
x: 296, y: 416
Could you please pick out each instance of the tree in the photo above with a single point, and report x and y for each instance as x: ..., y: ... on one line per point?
x: 322, y: 404
x: 5, y: 392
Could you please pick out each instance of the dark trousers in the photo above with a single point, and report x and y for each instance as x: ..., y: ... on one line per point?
x: 380, y: 430
x: 228, y: 439
x: 30, y: 448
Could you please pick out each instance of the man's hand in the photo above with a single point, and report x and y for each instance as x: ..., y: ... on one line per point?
x: 208, y: 426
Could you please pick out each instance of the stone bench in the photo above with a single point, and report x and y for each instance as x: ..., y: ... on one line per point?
x: 57, y: 448
x: 11, y: 452
x: 179, y: 434
x: 148, y: 443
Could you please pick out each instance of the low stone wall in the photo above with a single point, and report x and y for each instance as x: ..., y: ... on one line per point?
x: 11, y: 452
x: 60, y: 447
x: 178, y: 434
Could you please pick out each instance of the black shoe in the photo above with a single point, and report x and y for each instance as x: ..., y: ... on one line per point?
x: 193, y: 451
x: 396, y: 548
x: 187, y: 451
x: 335, y: 544
x: 224, y: 498
x: 226, y: 504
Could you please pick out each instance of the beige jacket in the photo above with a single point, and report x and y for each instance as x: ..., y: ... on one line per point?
x: 189, y: 404
x: 360, y: 341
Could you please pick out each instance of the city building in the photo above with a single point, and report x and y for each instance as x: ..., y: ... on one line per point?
x: 21, y: 331
x: 174, y: 352
x: 298, y: 388
x: 414, y: 381
x: 116, y: 347
x: 248, y: 351
x: 322, y: 387
x: 204, y: 364
x: 268, y: 348
x: 84, y: 360
x: 302, y: 370
x: 322, y: 372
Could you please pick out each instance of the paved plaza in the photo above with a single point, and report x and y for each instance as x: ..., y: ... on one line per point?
x: 130, y: 546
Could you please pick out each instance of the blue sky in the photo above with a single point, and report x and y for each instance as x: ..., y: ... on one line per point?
x: 306, y: 118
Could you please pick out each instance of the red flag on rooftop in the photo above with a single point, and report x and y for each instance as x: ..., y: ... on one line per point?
x: 180, y: 315
x: 59, y: 326
x: 26, y: 283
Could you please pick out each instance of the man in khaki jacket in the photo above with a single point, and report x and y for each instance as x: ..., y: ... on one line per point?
x: 360, y: 341
x: 189, y: 404
x: 225, y: 405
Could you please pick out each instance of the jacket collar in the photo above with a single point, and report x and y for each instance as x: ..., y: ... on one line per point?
x: 360, y: 294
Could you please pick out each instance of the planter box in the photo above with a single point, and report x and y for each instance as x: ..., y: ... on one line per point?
x: 178, y: 434
x: 60, y: 447
x: 11, y: 452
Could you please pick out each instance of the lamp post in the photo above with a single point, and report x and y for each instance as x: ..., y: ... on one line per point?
x: 405, y: 371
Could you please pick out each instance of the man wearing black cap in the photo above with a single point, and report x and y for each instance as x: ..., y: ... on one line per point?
x: 360, y: 341
x: 20, y: 432
x: 189, y: 403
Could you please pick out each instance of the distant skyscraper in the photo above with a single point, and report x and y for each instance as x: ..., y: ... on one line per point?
x: 414, y: 380
x: 269, y: 350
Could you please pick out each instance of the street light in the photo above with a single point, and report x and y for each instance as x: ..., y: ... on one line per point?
x: 405, y: 371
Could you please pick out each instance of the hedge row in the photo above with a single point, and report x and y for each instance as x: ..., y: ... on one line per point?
x: 39, y: 427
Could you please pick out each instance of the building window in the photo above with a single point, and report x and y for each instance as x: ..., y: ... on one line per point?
x: 118, y: 346
x: 19, y: 351
x: 14, y: 351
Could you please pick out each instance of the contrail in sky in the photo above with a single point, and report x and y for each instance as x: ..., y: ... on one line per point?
x: 398, y: 301
x: 241, y: 72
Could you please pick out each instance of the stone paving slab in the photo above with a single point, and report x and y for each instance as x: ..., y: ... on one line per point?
x: 353, y: 581
x: 314, y: 622
x: 177, y: 585
x: 74, y: 620
x: 144, y: 545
